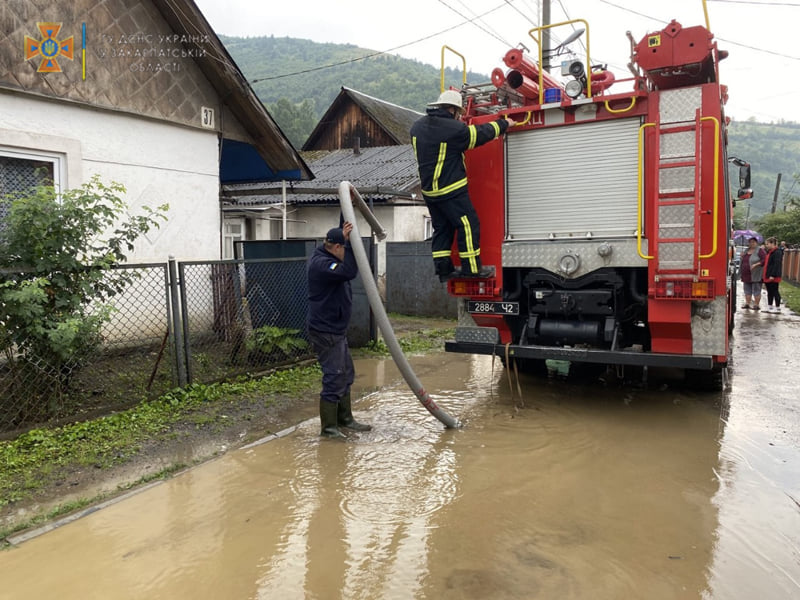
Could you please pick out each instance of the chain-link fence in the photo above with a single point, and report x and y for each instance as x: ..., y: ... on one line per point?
x: 242, y: 316
x: 169, y: 325
x: 80, y: 362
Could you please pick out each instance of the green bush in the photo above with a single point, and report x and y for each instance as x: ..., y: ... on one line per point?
x: 56, y: 251
x: 273, y: 344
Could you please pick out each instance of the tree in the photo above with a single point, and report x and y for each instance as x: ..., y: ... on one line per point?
x: 56, y: 254
x: 785, y: 225
x: 297, y: 121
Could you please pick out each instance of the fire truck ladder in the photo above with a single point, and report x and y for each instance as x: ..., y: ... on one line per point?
x: 675, y: 240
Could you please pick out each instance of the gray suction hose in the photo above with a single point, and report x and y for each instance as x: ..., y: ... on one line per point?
x: 347, y: 192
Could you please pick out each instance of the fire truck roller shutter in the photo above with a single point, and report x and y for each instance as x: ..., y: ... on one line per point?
x: 573, y: 179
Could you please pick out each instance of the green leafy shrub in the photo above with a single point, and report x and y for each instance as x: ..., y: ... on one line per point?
x: 270, y: 344
x: 56, y: 254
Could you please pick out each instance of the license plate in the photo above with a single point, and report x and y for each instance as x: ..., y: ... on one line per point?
x: 493, y: 308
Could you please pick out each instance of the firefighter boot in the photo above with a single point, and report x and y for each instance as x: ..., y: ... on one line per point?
x: 445, y: 270
x: 346, y: 416
x: 327, y: 418
x: 482, y: 273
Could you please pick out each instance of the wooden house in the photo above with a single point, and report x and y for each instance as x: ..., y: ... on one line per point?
x: 355, y: 120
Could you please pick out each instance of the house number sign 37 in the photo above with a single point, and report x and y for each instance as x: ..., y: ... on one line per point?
x: 207, y: 117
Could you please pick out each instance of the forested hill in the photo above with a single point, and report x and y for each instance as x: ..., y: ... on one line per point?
x: 298, y: 79
x: 308, y: 76
x: 770, y: 149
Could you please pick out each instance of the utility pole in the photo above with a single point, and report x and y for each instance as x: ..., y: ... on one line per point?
x: 775, y: 197
x: 545, y: 35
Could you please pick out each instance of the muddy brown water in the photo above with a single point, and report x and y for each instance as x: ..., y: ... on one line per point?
x: 574, y: 490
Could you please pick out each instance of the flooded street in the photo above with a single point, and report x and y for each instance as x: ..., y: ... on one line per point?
x: 757, y: 551
x: 574, y: 490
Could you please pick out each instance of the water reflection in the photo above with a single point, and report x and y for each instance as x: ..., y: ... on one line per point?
x: 366, y: 506
x: 571, y: 490
x: 758, y: 538
x: 593, y: 492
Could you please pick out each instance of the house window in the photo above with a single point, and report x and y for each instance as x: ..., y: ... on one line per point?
x: 233, y: 232
x: 275, y: 228
x: 19, y: 172
x: 427, y: 232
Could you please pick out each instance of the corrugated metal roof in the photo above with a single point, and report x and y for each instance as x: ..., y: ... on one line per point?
x: 376, y: 173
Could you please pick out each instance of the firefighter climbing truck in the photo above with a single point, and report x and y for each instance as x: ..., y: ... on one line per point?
x: 606, y: 214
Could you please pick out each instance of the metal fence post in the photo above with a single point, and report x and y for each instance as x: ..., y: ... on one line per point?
x: 187, y: 350
x: 177, y: 323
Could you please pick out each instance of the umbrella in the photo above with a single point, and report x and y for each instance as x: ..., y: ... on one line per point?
x: 746, y: 234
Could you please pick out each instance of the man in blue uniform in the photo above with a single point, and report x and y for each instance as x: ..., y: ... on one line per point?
x: 330, y: 270
x: 440, y: 139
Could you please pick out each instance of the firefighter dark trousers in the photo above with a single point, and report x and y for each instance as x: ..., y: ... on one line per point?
x: 334, y: 357
x: 455, y: 216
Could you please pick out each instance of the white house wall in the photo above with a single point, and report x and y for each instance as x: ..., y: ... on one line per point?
x: 156, y: 161
x: 408, y: 223
x: 402, y: 223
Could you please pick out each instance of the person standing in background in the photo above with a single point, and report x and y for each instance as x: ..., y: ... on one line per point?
x: 751, y: 267
x: 773, y: 268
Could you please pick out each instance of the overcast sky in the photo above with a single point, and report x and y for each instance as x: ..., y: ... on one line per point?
x: 760, y: 36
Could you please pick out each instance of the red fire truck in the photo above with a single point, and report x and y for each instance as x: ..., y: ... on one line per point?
x: 606, y: 213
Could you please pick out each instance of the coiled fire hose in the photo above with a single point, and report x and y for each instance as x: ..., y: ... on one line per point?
x: 348, y: 192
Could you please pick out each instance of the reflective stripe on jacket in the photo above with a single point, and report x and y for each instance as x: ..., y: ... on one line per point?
x: 439, y: 143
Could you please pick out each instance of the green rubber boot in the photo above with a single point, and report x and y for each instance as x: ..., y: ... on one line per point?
x: 327, y: 418
x: 345, y: 415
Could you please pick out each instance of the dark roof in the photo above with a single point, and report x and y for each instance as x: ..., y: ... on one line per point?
x: 395, y: 120
x: 378, y: 173
x: 281, y: 158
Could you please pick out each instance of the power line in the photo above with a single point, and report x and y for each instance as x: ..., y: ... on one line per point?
x: 366, y: 56
x: 468, y: 20
x: 772, y: 52
x: 564, y: 10
x: 795, y: 4
x: 630, y: 10
x: 487, y: 28
x: 522, y: 14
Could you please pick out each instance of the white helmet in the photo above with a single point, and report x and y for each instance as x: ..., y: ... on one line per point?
x: 449, y: 98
